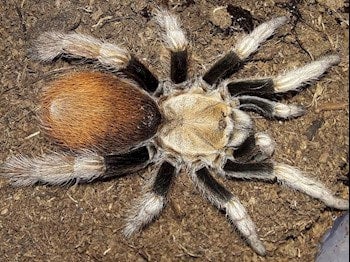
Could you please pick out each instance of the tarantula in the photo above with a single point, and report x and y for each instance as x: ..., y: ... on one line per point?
x: 116, y: 124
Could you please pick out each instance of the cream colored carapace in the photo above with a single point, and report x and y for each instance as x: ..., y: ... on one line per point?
x: 197, y: 123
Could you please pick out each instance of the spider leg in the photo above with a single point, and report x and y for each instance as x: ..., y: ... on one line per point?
x: 223, y: 199
x: 176, y: 42
x: 127, y: 163
x: 246, y: 145
x: 153, y: 200
x: 289, y: 81
x: 256, y: 148
x: 268, y: 108
x: 287, y: 175
x: 233, y: 61
x: 50, y: 45
x: 243, y: 127
x: 58, y: 169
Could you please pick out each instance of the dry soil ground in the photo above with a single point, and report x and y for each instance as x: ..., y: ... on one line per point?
x: 83, y: 223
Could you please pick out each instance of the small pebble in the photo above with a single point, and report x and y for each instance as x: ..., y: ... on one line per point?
x: 4, y: 211
x: 220, y: 17
x: 324, y: 157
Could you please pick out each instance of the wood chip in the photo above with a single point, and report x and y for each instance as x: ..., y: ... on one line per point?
x: 332, y: 106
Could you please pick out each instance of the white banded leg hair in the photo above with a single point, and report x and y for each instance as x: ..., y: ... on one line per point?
x: 176, y: 42
x: 247, y: 45
x: 61, y: 168
x: 286, y: 175
x: 219, y: 196
x: 50, y: 45
x: 256, y: 148
x: 242, y: 129
x: 248, y: 91
x: 152, y: 202
x: 289, y: 81
x: 270, y: 109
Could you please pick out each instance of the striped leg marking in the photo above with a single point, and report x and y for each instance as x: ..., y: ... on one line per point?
x: 58, y: 169
x: 141, y: 74
x: 223, y: 68
x: 233, y: 61
x: 176, y: 42
x: 179, y: 65
x: 50, y: 45
x: 53, y: 169
x: 290, y: 81
x: 287, y: 175
x: 151, y: 204
x: 255, y: 148
x: 223, y: 199
x: 116, y: 165
x: 269, y: 109
x: 243, y: 128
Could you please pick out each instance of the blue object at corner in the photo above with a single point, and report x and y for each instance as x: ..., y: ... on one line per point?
x: 335, y: 243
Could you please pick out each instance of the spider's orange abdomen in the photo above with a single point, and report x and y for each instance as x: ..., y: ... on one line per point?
x: 99, y: 111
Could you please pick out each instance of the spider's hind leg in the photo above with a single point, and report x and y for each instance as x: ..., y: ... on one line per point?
x: 50, y: 45
x: 176, y: 42
x: 153, y: 200
x: 59, y: 168
x: 219, y: 196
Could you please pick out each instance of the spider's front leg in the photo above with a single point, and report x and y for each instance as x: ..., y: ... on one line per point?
x: 290, y: 81
x: 60, y: 168
x: 242, y: 129
x: 247, y: 145
x: 153, y: 200
x: 268, y: 108
x: 50, y: 45
x: 251, y: 93
x: 233, y: 61
x: 286, y: 175
x: 223, y: 199
x: 256, y: 148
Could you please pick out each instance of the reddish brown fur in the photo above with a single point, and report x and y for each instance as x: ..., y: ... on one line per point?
x: 99, y: 111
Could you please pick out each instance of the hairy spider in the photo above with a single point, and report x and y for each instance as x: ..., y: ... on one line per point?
x: 116, y: 125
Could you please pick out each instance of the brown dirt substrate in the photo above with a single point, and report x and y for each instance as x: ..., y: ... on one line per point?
x: 83, y: 223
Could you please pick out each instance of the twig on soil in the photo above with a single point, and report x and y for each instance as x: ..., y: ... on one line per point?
x: 32, y: 135
x: 191, y: 254
x: 331, y: 106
